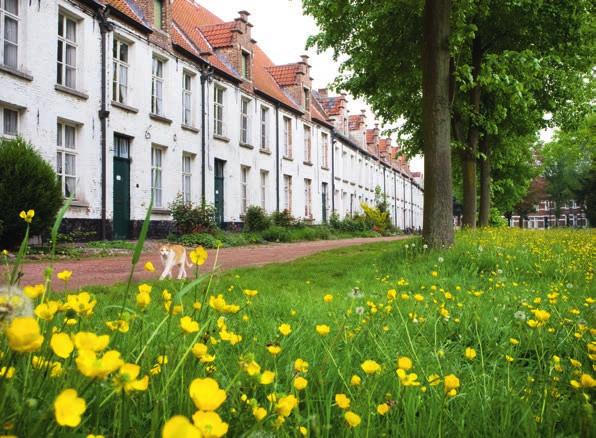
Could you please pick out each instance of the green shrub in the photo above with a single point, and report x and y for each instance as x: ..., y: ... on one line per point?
x: 495, y: 219
x: 380, y: 219
x: 197, y: 239
x: 189, y: 218
x: 256, y: 219
x: 27, y: 182
x: 283, y: 219
x: 276, y: 234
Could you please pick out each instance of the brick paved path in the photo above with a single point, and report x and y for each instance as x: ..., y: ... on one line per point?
x: 110, y: 270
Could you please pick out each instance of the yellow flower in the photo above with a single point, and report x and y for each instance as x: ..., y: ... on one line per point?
x: 188, y: 325
x: 407, y: 379
x: 61, y: 345
x: 300, y: 383
x: 342, y: 401
x: 121, y: 325
x: 328, y: 298
x: 95, y: 436
x: 451, y: 384
x: 285, y: 329
x: 541, y: 315
x: 82, y: 303
x: 286, y: 405
x: 322, y: 329
x: 300, y: 366
x: 419, y: 297
x: 391, y: 294
x: 303, y: 431
x: 383, y: 408
x: 210, y: 424
x: 470, y: 353
x: 404, y: 363
x: 587, y: 381
x: 28, y: 216
x: 532, y: 323
x: 251, y: 368
x: 267, y: 377
x: 47, y: 310
x: 199, y: 350
x: 24, y: 335
x: 89, y: 365
x: 508, y: 358
x: 64, y: 275
x: 34, y: 291
x: 355, y: 380
x: 259, y: 413
x: 143, y: 300
x: 180, y: 427
x: 434, y: 273
x: 513, y: 341
x: 250, y: 292
x: 198, y: 256
x: 68, y: 408
x: 433, y: 380
x: 206, y: 394
x: 370, y: 367
x: 127, y: 378
x: 220, y: 305
x: 575, y: 363
x: 274, y: 349
x: 149, y: 267
x: 352, y: 419
x: 90, y: 341
x: 7, y: 373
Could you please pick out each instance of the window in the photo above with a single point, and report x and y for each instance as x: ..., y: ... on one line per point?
x: 186, y: 177
x: 306, y: 99
x: 187, y: 99
x: 264, y: 176
x: 287, y: 137
x: 9, y: 37
x: 10, y: 122
x: 307, y: 198
x: 66, y: 158
x: 120, y: 75
x: 121, y: 146
x: 288, y: 192
x: 307, y: 144
x: 264, y: 123
x: 244, y: 121
x: 325, y: 141
x: 245, y: 65
x: 158, y: 13
x: 157, y: 87
x: 244, y: 171
x: 67, y: 51
x: 218, y: 111
x: 156, y: 165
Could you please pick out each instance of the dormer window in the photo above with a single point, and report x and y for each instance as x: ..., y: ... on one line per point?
x: 245, y: 65
x: 306, y: 99
x: 158, y: 14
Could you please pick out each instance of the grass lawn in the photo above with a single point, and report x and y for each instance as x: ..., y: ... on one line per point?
x: 494, y: 337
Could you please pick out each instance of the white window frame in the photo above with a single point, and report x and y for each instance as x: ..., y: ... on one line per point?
x: 264, y: 123
x: 288, y: 193
x: 64, y: 150
x: 187, y: 178
x: 157, y: 85
x: 245, y: 65
x: 287, y: 137
x: 307, y: 144
x: 157, y: 154
x: 307, y: 197
x: 245, y: 120
x: 244, y: 178
x: 264, y: 178
x: 6, y: 15
x: 3, y: 113
x: 120, y: 85
x: 218, y: 110
x: 187, y: 114
x: 325, y: 148
x: 63, y: 67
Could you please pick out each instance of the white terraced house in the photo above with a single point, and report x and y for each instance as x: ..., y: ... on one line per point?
x: 133, y: 98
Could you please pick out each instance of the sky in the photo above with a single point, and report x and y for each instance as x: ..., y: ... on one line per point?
x: 281, y: 31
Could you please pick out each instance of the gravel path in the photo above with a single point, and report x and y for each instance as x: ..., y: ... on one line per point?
x: 110, y: 270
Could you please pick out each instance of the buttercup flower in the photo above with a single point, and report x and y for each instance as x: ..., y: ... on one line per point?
x: 47, y: 310
x: 180, y: 427
x: 300, y: 383
x: 127, y: 378
x: 259, y: 413
x: 7, y: 373
x: 328, y: 298
x: 355, y: 380
x: 267, y: 378
x: 206, y: 394
x: 24, y: 335
x: 143, y: 300
x: 342, y: 401
x: 404, y: 363
x: 61, y: 345
x: 91, y: 341
x: 382, y: 409
x: 27, y: 216
x: 300, y: 365
x: 370, y: 367
x: 188, y: 325
x: 149, y: 267
x: 274, y: 349
x: 198, y: 256
x: 209, y: 424
x: 89, y: 365
x: 35, y: 291
x: 68, y: 408
x: 64, y: 275
x: 352, y: 419
x: 286, y: 405
x: 470, y: 353
x: 322, y: 329
x: 285, y: 329
x: 451, y: 385
x: 250, y: 293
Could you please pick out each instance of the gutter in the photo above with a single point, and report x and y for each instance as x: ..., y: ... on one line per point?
x: 395, y: 198
x: 206, y: 75
x: 104, y: 28
x: 333, y: 141
x: 277, y: 160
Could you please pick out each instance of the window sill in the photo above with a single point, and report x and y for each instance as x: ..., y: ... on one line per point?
x: 246, y: 145
x: 17, y: 73
x: 79, y: 204
x: 221, y: 138
x: 159, y: 118
x: 161, y: 211
x: 288, y: 158
x: 265, y: 151
x: 307, y: 163
x: 325, y: 168
x: 71, y: 91
x: 190, y: 128
x: 124, y: 107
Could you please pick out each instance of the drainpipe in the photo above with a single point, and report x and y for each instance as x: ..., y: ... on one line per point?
x: 404, y: 198
x: 206, y: 75
x: 104, y: 28
x: 412, y: 204
x: 333, y: 141
x: 277, y: 161
x: 394, y: 198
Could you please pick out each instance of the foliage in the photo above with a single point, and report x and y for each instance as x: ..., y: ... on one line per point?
x: 196, y: 239
x: 381, y: 203
x: 27, y: 182
x: 379, y: 218
x: 496, y: 219
x: 189, y: 218
x: 256, y: 219
x: 283, y: 218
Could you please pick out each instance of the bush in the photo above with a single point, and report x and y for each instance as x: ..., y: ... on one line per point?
x: 283, y: 219
x: 192, y: 219
x: 380, y: 219
x: 495, y: 219
x: 256, y: 219
x: 197, y: 239
x: 276, y: 234
x: 27, y: 182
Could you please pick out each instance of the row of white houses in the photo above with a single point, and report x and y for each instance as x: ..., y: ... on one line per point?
x: 133, y: 98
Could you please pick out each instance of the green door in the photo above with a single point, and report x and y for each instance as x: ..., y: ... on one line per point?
x: 219, y: 191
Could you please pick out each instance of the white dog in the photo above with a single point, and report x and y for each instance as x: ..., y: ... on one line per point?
x: 173, y: 255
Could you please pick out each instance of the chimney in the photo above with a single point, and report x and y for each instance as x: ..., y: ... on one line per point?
x: 243, y: 16
x: 323, y: 92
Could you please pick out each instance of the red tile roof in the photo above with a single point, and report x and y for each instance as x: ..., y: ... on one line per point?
x: 370, y: 135
x: 128, y: 8
x: 332, y: 105
x: 179, y: 39
x: 354, y: 122
x: 285, y: 75
x: 219, y: 35
x: 264, y: 81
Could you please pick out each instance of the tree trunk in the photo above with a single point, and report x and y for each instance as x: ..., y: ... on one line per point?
x: 438, y: 202
x: 469, y: 154
x: 484, y: 182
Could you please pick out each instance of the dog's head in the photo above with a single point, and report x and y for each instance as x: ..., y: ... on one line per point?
x: 164, y: 251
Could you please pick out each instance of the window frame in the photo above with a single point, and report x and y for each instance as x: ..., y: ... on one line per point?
x: 325, y: 149
x: 187, y: 159
x: 264, y: 176
x: 264, y: 124
x: 244, y: 177
x: 187, y: 112
x: 62, y: 65
x: 307, y: 144
x: 308, y: 198
x: 218, y: 110
x: 3, y: 131
x: 119, y: 65
x: 245, y: 120
x: 158, y: 22
x: 287, y: 137
x: 62, y: 151
x: 157, y: 170
x: 6, y: 15
x: 245, y: 65
x: 288, y: 193
x: 157, y: 82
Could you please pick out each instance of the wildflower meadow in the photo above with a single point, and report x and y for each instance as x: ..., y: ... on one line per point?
x: 494, y: 337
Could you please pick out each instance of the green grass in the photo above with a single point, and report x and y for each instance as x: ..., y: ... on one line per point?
x: 470, y: 296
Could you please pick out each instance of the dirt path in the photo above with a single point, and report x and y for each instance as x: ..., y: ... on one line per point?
x: 110, y: 270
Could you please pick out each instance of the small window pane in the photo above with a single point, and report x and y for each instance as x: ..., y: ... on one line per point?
x: 59, y: 163
x: 12, y: 6
x: 69, y: 137
x: 10, y: 122
x: 71, y: 30
x: 123, y: 52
